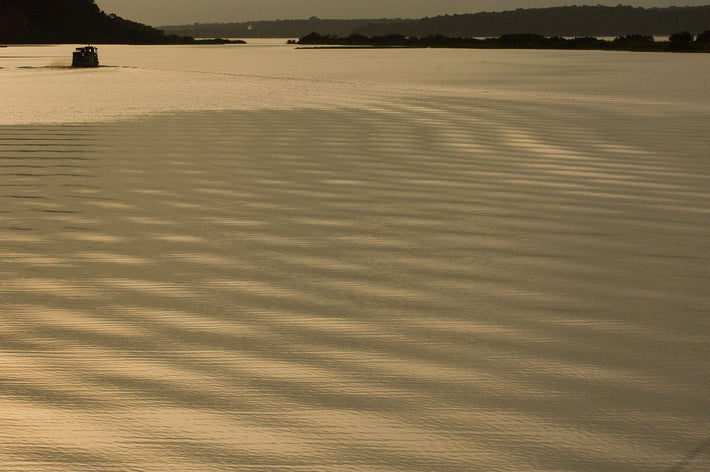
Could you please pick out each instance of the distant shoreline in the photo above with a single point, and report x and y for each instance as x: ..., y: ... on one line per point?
x: 567, y: 21
x: 678, y: 42
x: 218, y: 41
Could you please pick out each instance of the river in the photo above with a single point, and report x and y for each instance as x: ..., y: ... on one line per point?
x: 263, y: 258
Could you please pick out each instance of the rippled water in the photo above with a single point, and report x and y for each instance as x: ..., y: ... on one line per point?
x: 262, y: 258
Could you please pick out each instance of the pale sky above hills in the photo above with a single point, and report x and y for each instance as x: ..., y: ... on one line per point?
x: 169, y: 12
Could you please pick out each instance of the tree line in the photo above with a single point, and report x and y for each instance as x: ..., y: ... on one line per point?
x: 677, y: 42
x: 593, y: 21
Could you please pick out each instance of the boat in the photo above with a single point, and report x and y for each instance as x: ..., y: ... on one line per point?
x: 87, y: 56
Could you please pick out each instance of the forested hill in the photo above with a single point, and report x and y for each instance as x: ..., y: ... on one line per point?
x: 557, y: 21
x: 72, y: 21
x: 275, y: 28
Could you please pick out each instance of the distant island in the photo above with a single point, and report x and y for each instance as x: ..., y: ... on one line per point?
x: 570, y: 21
x: 77, y: 21
x: 678, y: 42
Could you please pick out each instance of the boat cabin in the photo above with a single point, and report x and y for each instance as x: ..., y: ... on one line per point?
x: 88, y: 56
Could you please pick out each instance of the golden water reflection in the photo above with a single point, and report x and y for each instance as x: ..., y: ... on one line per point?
x: 354, y: 290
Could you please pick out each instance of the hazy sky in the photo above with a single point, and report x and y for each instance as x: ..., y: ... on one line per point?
x: 168, y: 12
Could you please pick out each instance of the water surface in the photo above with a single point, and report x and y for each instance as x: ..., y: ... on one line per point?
x: 262, y: 258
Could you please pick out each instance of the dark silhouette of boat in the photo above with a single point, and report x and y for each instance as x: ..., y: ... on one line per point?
x: 88, y: 56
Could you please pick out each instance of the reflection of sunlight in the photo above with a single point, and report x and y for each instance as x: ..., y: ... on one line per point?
x: 9, y: 237
x: 254, y: 287
x: 94, y: 237
x: 110, y: 204
x: 183, y: 205
x: 33, y: 259
x: 149, y: 287
x: 185, y: 321
x: 50, y: 287
x: 144, y: 220
x: 74, y: 219
x: 207, y: 259
x: 112, y: 258
x: 619, y: 148
x: 180, y: 238
x: 532, y: 144
x: 83, y: 322
x: 329, y: 324
x: 358, y: 289
x: 232, y: 222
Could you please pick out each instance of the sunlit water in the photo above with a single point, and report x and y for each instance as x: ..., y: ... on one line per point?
x: 262, y: 258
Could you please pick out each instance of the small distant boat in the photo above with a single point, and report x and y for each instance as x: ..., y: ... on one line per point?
x: 88, y: 56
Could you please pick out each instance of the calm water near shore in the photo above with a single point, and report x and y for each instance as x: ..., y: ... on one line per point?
x: 262, y: 258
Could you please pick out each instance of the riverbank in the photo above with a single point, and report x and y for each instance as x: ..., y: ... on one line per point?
x: 679, y: 42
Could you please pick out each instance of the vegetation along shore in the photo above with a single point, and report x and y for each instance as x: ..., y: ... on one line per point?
x: 678, y: 42
x: 594, y: 21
